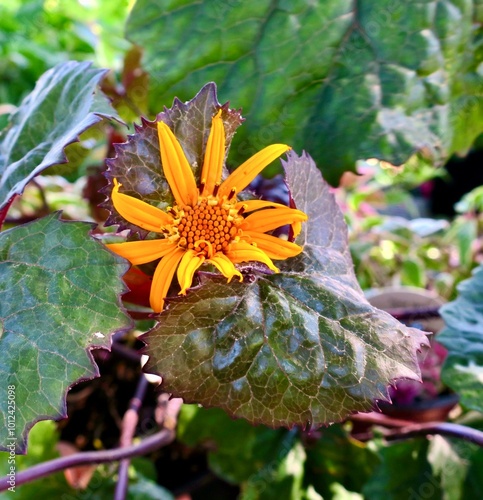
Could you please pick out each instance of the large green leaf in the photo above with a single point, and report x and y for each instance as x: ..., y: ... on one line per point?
x: 463, y: 337
x: 266, y: 463
x: 450, y: 469
x: 63, y: 104
x: 59, y: 297
x: 237, y: 449
x: 282, y: 478
x: 337, y: 458
x: 346, y: 82
x: 404, y: 473
x: 474, y: 480
x: 299, y: 347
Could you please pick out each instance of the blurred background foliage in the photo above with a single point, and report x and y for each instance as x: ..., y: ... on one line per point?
x: 35, y: 35
x: 417, y: 225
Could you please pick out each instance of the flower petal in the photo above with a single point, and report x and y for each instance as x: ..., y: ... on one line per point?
x: 186, y: 269
x: 176, y: 167
x: 225, y: 266
x: 244, y: 252
x: 142, y: 252
x: 252, y: 205
x: 138, y: 212
x: 162, y: 278
x: 266, y: 220
x: 275, y: 248
x: 296, y: 228
x: 246, y: 172
x: 214, y: 155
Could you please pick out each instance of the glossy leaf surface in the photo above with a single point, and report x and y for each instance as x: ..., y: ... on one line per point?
x: 59, y: 297
x: 295, y: 348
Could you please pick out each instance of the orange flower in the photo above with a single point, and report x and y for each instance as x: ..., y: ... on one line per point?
x: 207, y: 224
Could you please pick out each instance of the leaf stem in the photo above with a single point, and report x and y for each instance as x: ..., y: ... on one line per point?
x: 442, y: 428
x: 418, y: 313
x: 129, y: 423
x: 405, y: 429
x: 148, y: 445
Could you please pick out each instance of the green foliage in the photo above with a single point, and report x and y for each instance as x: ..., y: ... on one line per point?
x: 463, y: 337
x: 36, y: 35
x: 474, y: 481
x: 62, y: 106
x: 337, y: 459
x: 448, y: 467
x: 41, y: 445
x: 241, y: 448
x: 471, y: 202
x: 302, y: 346
x: 381, y: 80
x: 464, y: 232
x: 389, y: 249
x: 391, y: 481
x: 270, y: 463
x: 332, y: 464
x: 59, y: 294
x: 437, y: 469
x: 281, y: 479
x: 345, y: 81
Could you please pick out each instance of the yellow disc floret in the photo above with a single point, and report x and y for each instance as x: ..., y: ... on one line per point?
x: 207, y: 223
x: 210, y: 227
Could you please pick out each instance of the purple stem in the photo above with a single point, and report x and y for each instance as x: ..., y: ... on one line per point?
x: 419, y: 313
x: 148, y: 445
x: 380, y: 419
x: 129, y: 423
x: 443, y: 428
x: 405, y: 429
x: 123, y: 480
x: 125, y: 352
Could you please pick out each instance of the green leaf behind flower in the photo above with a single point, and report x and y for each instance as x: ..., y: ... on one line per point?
x: 63, y: 104
x: 59, y: 297
x: 344, y: 80
x: 302, y: 347
x: 137, y: 165
x: 337, y: 458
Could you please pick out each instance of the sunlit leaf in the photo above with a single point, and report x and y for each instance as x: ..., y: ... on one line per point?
x: 448, y: 466
x: 266, y: 463
x: 337, y: 459
x: 463, y: 337
x: 381, y: 79
x: 63, y: 104
x: 404, y: 473
x: 295, y: 348
x: 281, y: 478
x: 240, y: 448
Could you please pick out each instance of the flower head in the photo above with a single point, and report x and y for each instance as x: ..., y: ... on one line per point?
x: 207, y: 223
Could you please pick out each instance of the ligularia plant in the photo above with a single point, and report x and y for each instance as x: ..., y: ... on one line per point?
x: 206, y: 224
x: 295, y: 344
x: 265, y: 319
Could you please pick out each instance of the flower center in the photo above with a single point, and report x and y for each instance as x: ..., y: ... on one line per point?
x: 207, y: 227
